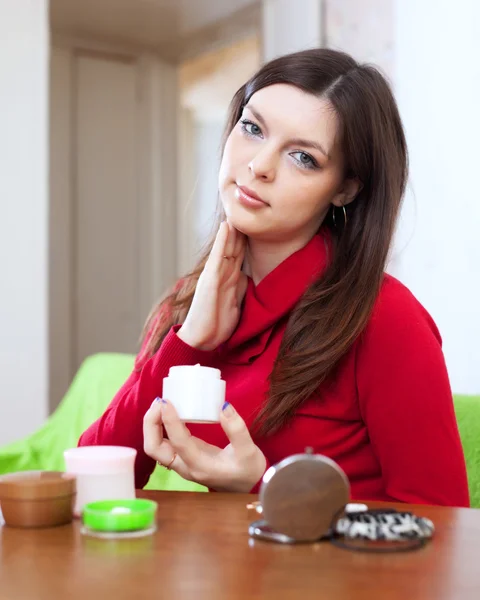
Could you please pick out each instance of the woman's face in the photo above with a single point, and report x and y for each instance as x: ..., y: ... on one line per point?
x: 282, y: 166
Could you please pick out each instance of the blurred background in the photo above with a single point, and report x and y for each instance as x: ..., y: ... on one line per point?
x: 111, y: 116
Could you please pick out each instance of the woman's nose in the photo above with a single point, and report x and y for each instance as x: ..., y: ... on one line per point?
x: 262, y: 166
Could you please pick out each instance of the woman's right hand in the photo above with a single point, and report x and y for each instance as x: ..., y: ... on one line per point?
x: 216, y: 305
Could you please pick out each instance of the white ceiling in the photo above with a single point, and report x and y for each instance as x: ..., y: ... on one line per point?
x: 147, y: 22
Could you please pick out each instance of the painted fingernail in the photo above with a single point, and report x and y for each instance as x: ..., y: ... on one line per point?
x: 157, y: 399
x: 227, y: 409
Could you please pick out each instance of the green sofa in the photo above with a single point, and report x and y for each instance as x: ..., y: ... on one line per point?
x: 95, y: 384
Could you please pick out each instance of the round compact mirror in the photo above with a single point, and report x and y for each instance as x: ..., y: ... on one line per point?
x: 299, y: 499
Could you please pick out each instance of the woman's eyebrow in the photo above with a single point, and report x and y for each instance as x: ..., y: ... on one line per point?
x: 294, y: 141
x: 256, y: 114
x: 310, y: 144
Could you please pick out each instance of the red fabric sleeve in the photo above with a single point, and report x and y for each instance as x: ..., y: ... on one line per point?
x: 407, y: 404
x: 122, y: 422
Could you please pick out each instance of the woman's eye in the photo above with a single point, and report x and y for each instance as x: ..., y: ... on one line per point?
x: 251, y: 128
x: 304, y: 159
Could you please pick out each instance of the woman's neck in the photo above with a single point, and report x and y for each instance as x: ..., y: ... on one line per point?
x: 262, y: 257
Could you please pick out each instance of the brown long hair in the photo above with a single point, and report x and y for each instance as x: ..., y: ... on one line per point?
x: 335, y: 309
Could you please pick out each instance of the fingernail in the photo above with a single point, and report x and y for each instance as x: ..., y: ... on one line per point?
x: 163, y: 401
x: 157, y: 399
x: 228, y: 410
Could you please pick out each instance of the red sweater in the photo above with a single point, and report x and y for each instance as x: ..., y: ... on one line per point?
x: 387, y: 419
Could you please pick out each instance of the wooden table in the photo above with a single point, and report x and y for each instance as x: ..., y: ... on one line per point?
x: 202, y: 550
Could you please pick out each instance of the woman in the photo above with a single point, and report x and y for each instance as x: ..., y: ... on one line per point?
x: 317, y: 345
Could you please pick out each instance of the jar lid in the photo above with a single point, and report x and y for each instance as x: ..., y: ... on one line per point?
x: 182, y: 371
x: 119, y: 515
x: 99, y: 460
x: 36, y: 485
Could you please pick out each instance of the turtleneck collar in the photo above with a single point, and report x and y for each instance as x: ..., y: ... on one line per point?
x: 273, y: 299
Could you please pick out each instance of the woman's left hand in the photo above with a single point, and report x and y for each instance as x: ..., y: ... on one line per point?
x: 235, y: 468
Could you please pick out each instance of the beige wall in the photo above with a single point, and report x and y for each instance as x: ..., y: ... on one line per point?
x: 364, y: 28
x: 208, y: 81
x: 23, y: 216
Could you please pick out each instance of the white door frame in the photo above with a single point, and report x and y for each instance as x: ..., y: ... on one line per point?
x: 157, y: 93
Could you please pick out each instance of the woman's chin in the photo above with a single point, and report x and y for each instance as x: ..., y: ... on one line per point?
x: 245, y: 228
x: 249, y: 225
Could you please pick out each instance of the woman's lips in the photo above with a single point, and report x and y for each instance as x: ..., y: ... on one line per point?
x: 249, y: 198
